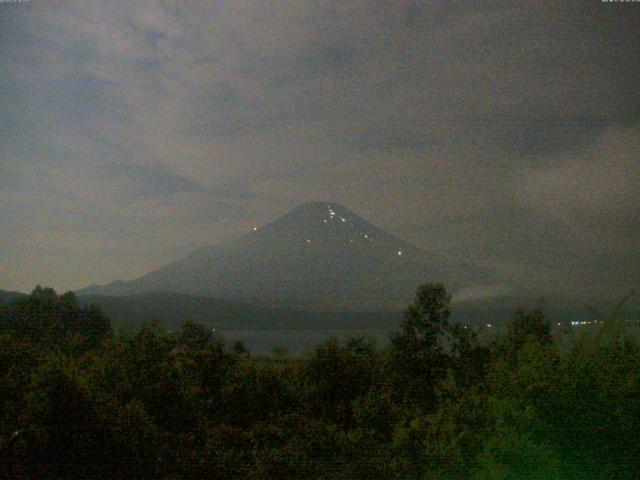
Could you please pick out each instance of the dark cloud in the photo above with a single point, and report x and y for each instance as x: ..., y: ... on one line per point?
x: 501, y: 133
x: 151, y: 180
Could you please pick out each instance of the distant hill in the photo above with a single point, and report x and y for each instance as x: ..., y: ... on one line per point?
x: 7, y: 296
x: 319, y: 256
x: 172, y: 310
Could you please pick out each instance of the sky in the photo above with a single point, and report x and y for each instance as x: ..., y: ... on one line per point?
x: 503, y: 133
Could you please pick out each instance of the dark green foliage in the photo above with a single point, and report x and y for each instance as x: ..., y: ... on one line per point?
x: 531, y: 327
x: 239, y: 348
x: 44, y: 316
x: 78, y: 402
x: 62, y: 413
x: 418, y: 360
x: 337, y: 375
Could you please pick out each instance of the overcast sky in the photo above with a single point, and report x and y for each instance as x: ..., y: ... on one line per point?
x: 134, y: 132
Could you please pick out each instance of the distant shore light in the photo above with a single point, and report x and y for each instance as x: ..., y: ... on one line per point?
x: 255, y: 229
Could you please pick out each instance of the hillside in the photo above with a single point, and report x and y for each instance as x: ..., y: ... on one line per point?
x: 8, y: 296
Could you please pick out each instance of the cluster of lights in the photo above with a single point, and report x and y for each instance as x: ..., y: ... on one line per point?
x: 583, y: 322
x: 575, y: 323
x: 332, y: 214
x: 589, y: 322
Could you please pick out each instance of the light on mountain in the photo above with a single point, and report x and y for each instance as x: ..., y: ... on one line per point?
x: 255, y: 229
x: 399, y: 252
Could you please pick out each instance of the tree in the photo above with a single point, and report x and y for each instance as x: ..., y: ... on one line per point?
x: 61, y: 416
x: 337, y: 375
x: 44, y: 317
x: 418, y: 360
x: 528, y: 327
x: 239, y: 348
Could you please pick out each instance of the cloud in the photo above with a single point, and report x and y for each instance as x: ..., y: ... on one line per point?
x: 481, y: 292
x: 601, y: 186
x: 147, y: 180
x: 494, y: 133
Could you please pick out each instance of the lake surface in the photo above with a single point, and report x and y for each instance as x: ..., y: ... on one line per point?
x: 298, y: 342
x: 294, y: 342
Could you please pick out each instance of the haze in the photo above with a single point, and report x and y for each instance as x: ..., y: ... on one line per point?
x: 132, y: 133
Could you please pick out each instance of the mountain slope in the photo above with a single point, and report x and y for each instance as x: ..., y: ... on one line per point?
x: 318, y: 256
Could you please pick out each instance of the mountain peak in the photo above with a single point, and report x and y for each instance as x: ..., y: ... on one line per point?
x: 324, y: 223
x: 319, y: 207
x: 323, y: 212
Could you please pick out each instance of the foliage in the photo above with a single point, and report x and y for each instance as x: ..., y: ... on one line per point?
x: 45, y: 316
x: 79, y: 402
x: 418, y: 360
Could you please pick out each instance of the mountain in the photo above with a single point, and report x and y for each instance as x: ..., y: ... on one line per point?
x: 319, y: 256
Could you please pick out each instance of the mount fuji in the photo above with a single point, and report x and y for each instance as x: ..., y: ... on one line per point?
x: 319, y: 256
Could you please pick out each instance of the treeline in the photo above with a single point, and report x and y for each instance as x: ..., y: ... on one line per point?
x: 78, y: 401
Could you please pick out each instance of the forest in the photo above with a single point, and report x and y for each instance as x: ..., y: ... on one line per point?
x: 79, y: 400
